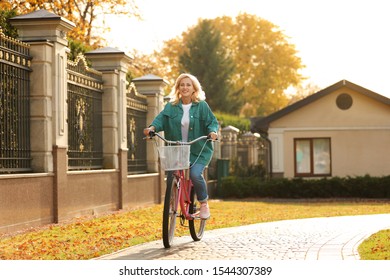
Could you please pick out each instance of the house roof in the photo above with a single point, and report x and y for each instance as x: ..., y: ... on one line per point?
x: 261, y: 124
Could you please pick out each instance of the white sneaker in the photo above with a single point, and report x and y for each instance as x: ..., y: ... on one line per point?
x: 204, y: 211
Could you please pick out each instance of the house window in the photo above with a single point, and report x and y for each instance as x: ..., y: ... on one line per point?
x: 344, y: 101
x: 312, y: 157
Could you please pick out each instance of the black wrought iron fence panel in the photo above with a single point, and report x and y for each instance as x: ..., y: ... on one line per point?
x: 85, y: 138
x: 136, y: 122
x: 15, y: 154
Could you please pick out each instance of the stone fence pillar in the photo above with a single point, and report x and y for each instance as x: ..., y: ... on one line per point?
x: 113, y: 64
x: 153, y: 88
x: 249, y: 143
x: 229, y: 142
x: 46, y: 33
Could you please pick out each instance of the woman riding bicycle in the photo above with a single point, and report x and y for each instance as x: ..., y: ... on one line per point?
x: 186, y: 117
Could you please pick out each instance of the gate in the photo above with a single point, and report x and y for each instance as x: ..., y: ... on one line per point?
x: 15, y: 61
x: 136, y: 122
x: 85, y: 89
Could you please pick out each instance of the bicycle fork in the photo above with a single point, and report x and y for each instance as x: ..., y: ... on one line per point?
x: 184, y: 189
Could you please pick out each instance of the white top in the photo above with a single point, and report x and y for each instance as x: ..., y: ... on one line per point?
x: 185, y: 121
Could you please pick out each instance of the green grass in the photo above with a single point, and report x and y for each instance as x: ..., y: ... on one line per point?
x: 376, y: 247
x: 86, y: 237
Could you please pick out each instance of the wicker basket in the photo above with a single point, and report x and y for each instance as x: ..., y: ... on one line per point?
x: 174, y: 157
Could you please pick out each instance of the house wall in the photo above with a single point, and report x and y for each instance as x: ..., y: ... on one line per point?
x: 360, y: 136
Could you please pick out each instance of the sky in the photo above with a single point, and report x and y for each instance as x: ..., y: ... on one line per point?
x: 336, y: 39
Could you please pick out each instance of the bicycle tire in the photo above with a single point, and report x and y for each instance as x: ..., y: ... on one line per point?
x: 170, y: 213
x: 196, y: 225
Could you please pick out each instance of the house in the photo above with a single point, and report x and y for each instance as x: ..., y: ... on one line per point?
x: 342, y: 130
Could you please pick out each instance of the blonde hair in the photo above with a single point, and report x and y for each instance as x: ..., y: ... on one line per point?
x: 197, y: 96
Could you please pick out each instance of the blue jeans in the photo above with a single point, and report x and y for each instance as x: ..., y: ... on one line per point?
x: 196, y: 175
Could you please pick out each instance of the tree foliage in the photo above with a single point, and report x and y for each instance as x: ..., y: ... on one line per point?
x: 163, y: 63
x: 225, y: 119
x: 5, y: 26
x: 303, y: 91
x: 265, y: 63
x: 206, y: 58
x: 87, y: 14
x: 76, y: 47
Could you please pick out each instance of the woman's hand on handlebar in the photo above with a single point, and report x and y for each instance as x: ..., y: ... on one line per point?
x: 149, y: 131
x: 213, y: 136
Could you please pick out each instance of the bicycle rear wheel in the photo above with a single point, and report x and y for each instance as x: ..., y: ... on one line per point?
x: 170, y: 213
x: 196, y: 225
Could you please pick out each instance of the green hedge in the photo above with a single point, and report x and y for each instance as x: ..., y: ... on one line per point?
x: 356, y: 187
x: 243, y: 124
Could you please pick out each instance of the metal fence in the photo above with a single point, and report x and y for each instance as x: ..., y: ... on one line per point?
x: 85, y: 138
x: 136, y: 122
x: 15, y: 60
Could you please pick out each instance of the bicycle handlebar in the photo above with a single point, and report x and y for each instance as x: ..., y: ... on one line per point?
x: 153, y: 133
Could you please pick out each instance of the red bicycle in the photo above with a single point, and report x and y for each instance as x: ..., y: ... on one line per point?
x: 180, y: 197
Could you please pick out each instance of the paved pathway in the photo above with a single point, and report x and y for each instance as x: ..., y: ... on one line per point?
x: 335, y: 238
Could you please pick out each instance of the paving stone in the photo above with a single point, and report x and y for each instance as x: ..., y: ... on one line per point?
x: 331, y: 238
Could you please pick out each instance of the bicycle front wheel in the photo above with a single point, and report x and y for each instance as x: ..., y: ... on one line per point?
x: 196, y: 225
x: 170, y: 213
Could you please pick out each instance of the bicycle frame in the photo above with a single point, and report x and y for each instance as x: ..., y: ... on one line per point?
x: 185, y: 188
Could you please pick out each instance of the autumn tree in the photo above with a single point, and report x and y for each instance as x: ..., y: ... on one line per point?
x: 87, y: 14
x: 265, y: 63
x: 163, y: 62
x: 205, y: 57
x: 5, y: 26
x: 303, y: 91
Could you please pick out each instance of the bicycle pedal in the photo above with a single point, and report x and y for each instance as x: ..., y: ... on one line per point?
x: 196, y: 216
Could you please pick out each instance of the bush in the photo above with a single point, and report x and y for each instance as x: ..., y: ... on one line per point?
x: 243, y: 124
x: 239, y: 187
x: 236, y: 169
x: 336, y: 187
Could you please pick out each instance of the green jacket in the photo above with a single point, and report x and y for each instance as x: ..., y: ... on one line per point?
x: 202, y: 122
